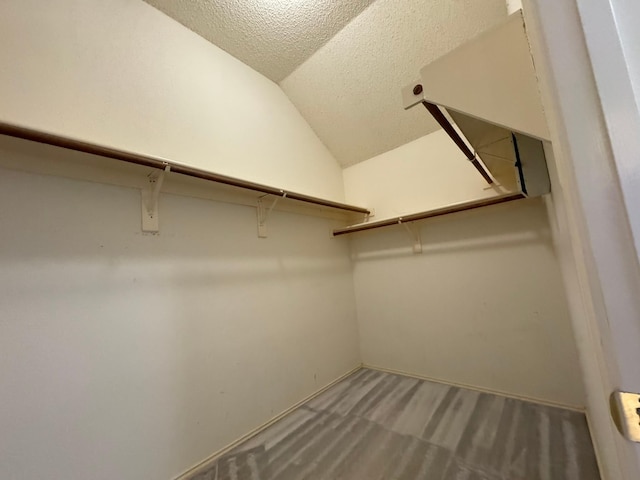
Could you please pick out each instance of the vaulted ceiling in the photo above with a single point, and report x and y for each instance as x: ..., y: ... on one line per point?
x: 272, y: 36
x: 342, y: 63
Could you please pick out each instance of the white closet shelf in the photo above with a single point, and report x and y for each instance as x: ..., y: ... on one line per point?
x: 38, y: 136
x: 458, y: 207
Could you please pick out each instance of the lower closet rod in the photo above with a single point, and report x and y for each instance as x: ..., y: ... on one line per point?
x: 149, y: 161
x: 461, y: 207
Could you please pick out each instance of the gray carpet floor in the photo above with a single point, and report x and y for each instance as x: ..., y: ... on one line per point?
x: 379, y: 426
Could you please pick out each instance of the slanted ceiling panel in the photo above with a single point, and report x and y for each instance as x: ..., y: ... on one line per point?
x: 349, y: 90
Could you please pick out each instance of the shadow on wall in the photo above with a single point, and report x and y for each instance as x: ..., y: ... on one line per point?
x: 489, y: 228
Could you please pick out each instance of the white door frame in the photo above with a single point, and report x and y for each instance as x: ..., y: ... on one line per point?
x: 613, y: 42
x: 587, y: 87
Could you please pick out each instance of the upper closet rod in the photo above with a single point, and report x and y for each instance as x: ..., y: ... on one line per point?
x: 435, y: 112
x: 148, y: 161
x: 461, y: 207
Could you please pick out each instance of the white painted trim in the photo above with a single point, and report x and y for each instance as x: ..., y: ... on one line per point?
x: 619, y: 107
x: 475, y: 388
x: 194, y: 470
x: 598, y: 258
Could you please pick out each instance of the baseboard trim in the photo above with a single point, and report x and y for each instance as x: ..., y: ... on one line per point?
x: 525, y: 398
x: 206, y: 463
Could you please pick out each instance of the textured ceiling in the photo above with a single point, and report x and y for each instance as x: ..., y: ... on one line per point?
x: 349, y: 90
x: 343, y: 62
x: 271, y: 36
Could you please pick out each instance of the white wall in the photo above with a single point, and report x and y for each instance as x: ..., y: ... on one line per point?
x: 427, y: 173
x: 483, y: 305
x: 131, y: 356
x: 123, y: 74
x: 483, y: 300
x: 136, y: 356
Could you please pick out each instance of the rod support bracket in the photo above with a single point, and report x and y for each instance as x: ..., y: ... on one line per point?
x: 150, y: 196
x: 263, y: 212
x: 367, y: 216
x: 412, y: 94
x: 414, y: 235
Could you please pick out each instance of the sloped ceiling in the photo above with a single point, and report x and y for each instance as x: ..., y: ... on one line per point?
x: 349, y: 90
x: 343, y: 63
x: 271, y: 36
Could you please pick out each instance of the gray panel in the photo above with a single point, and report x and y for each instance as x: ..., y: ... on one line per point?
x: 534, y: 176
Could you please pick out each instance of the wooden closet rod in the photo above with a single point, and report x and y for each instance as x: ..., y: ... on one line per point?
x: 461, y: 207
x: 149, y: 161
x: 435, y: 112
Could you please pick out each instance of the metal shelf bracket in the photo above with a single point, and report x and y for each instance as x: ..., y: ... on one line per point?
x: 264, y: 212
x: 150, y: 195
x: 414, y: 235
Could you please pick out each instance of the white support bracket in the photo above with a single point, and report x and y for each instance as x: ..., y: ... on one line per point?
x: 264, y: 212
x: 414, y: 235
x: 412, y: 94
x: 367, y: 216
x: 150, y: 220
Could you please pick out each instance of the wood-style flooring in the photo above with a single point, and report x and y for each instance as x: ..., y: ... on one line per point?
x: 380, y: 426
